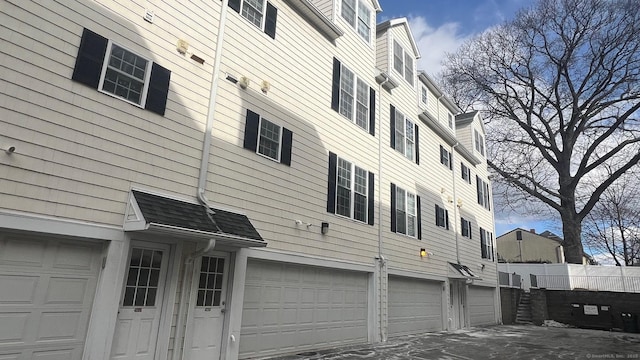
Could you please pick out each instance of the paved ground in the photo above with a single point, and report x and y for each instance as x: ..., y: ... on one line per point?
x: 522, y: 342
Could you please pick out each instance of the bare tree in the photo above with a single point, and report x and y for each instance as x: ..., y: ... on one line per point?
x: 560, y: 90
x: 613, y: 226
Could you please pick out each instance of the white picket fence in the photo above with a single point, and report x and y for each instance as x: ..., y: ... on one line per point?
x: 574, y: 276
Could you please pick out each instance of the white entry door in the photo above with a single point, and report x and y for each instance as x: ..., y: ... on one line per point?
x: 457, y: 303
x: 207, y: 307
x: 141, y: 304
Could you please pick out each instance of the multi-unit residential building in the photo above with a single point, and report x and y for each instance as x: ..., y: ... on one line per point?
x: 231, y: 179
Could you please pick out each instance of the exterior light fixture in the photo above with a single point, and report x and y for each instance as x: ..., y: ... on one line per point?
x: 324, y: 228
x: 423, y: 252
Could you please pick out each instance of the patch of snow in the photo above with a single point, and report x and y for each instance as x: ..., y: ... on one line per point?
x: 552, y: 323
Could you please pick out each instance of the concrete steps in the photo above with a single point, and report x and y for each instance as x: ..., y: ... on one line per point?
x: 523, y: 315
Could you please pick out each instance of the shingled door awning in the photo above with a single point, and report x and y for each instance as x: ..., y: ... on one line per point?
x: 159, y: 214
x: 459, y: 271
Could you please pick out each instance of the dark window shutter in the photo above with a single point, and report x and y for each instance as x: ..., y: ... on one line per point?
x: 437, y: 215
x: 235, y: 5
x: 331, y: 183
x: 446, y: 219
x: 372, y: 112
x: 417, y: 144
x: 392, y: 121
x: 491, y: 239
x: 463, y: 226
x: 335, y: 89
x: 441, y: 154
x: 486, y: 196
x: 419, y: 215
x: 470, y: 231
x: 88, y: 68
x: 370, y: 198
x: 270, y: 21
x: 158, y: 89
x: 251, y: 131
x: 479, y: 189
x: 393, y: 207
x: 483, y: 244
x: 450, y: 160
x: 285, y: 151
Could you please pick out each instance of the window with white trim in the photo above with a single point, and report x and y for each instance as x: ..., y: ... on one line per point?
x: 405, y: 136
x: 269, y: 139
x: 478, y: 142
x: 261, y: 13
x: 424, y: 95
x: 445, y: 158
x: 358, y: 15
x: 403, y: 62
x: 354, y: 98
x: 350, y: 190
x: 486, y: 244
x: 125, y: 74
x: 442, y: 217
x: 482, y: 189
x: 465, y: 173
x: 406, y: 220
x: 116, y: 71
x: 465, y: 228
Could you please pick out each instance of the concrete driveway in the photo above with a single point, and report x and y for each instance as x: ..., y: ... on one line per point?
x: 496, y: 342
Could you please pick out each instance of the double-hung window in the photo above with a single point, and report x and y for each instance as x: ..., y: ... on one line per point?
x: 445, y: 158
x: 465, y: 173
x: 119, y: 72
x: 353, y: 98
x: 465, y: 228
x: 442, y: 217
x: 424, y: 96
x: 358, y: 15
x: 350, y: 190
x: 450, y: 120
x: 267, y: 138
x: 404, y: 135
x: 478, y: 142
x: 403, y: 62
x: 258, y: 12
x: 486, y: 244
x: 405, y: 212
x: 483, y: 193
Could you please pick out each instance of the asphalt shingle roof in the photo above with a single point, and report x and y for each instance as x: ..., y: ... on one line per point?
x: 165, y: 211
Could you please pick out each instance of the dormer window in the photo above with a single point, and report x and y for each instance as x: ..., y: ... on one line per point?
x: 358, y: 15
x: 403, y: 62
x: 450, y: 120
x: 424, y: 93
x: 478, y: 142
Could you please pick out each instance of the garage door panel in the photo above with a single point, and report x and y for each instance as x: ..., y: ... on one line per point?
x: 290, y: 308
x: 481, y: 306
x: 45, y: 311
x: 415, y: 306
x: 23, y: 289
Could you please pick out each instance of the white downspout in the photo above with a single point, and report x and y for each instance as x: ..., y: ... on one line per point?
x: 455, y: 203
x: 202, y: 183
x: 215, y: 79
x: 382, y: 260
x: 185, y: 291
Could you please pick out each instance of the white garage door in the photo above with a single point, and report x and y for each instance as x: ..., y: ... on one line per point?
x: 481, y: 306
x: 46, y: 291
x: 292, y: 308
x: 415, y: 306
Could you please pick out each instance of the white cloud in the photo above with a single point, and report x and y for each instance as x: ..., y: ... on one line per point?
x: 434, y: 43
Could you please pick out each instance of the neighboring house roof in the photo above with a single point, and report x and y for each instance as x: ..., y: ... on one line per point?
x: 400, y: 22
x: 549, y: 235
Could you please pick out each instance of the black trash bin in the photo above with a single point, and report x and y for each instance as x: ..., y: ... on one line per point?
x: 630, y: 322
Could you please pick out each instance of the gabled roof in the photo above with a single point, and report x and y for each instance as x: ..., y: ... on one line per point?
x: 545, y: 234
x: 151, y: 212
x: 400, y: 22
x: 467, y: 118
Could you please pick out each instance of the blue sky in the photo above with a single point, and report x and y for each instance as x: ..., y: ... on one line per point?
x: 440, y: 26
